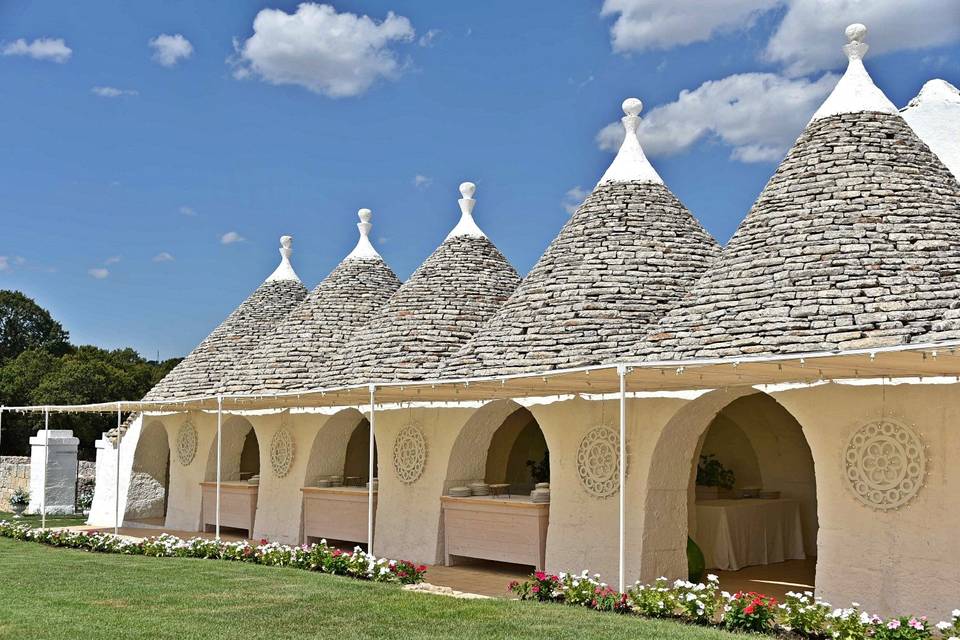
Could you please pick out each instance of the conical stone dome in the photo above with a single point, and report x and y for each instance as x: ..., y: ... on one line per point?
x: 934, y: 115
x: 295, y: 355
x: 202, y: 371
x: 434, y: 313
x: 853, y: 243
x: 624, y: 258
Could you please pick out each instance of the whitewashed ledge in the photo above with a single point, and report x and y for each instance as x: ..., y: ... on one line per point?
x: 426, y: 587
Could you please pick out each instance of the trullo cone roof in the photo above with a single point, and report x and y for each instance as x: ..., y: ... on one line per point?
x: 853, y: 243
x: 934, y: 115
x: 202, y: 371
x: 435, y: 312
x: 624, y: 258
x: 294, y: 356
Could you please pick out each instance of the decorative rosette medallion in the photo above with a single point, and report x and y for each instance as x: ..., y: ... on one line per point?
x: 409, y: 454
x: 598, y: 462
x: 885, y: 464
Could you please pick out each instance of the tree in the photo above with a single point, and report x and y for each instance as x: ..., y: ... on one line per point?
x: 26, y: 325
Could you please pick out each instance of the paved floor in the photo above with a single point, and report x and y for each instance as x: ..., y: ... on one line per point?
x: 491, y: 578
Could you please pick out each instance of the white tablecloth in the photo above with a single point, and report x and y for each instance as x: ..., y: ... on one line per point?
x: 740, y: 533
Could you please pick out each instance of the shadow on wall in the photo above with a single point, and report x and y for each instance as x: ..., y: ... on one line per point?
x: 150, y: 475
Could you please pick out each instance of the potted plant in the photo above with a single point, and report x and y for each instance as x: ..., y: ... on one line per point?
x: 19, y: 501
x: 713, y: 479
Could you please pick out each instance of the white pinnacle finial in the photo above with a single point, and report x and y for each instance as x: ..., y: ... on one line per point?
x: 364, y: 248
x: 467, y: 225
x: 855, y: 92
x: 631, y: 165
x: 284, y: 270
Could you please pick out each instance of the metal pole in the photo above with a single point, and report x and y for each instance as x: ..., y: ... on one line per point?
x: 370, y: 474
x: 116, y: 494
x: 2, y: 407
x: 219, y: 451
x: 46, y: 449
x: 622, y: 372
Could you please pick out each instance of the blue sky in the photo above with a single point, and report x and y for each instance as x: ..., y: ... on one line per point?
x: 126, y: 163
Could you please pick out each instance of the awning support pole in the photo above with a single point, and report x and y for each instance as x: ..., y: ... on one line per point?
x: 219, y: 451
x: 46, y: 450
x: 116, y: 494
x: 622, y: 373
x: 371, y: 471
x: 2, y: 407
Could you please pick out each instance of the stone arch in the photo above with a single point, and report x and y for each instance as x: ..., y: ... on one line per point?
x: 341, y: 442
x: 240, y: 448
x: 668, y: 516
x: 471, y: 450
x: 149, y: 486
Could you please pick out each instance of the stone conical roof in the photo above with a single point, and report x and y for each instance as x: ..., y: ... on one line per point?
x: 935, y: 116
x: 853, y: 243
x: 295, y: 355
x: 443, y: 304
x: 202, y: 371
x: 625, y: 257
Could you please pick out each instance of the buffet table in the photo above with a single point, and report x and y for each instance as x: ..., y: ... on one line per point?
x: 238, y: 504
x: 739, y: 533
x: 336, y: 513
x: 511, y: 529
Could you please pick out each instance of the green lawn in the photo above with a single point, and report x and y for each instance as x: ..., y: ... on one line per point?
x: 61, y: 593
x: 52, y: 521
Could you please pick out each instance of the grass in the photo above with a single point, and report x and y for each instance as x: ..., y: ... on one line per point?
x: 63, y: 593
x: 52, y: 521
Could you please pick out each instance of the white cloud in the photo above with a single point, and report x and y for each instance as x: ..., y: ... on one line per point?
x: 4, y: 263
x: 187, y: 211
x: 758, y: 114
x: 99, y: 273
x: 53, y: 49
x: 169, y: 50
x: 654, y: 24
x: 231, y: 237
x: 810, y: 36
x: 421, y: 181
x: 112, y: 260
x: 163, y: 256
x: 426, y: 40
x: 330, y: 53
x: 573, y: 198
x: 113, y: 92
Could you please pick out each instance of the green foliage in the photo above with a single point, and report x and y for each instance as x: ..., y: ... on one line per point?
x: 26, y: 325
x: 540, y: 471
x: 712, y: 473
x: 20, y: 497
x: 48, y: 370
x: 696, y: 563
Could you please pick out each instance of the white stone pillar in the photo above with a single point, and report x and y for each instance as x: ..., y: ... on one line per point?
x: 60, y: 473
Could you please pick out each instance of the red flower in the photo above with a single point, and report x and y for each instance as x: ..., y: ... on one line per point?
x: 513, y: 585
x: 535, y: 589
x: 540, y: 575
x: 750, y: 608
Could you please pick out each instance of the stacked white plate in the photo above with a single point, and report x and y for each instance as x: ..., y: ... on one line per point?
x: 254, y: 479
x: 323, y: 482
x: 336, y: 481
x: 479, y: 489
x: 459, y: 492
x: 542, y: 485
x: 540, y: 496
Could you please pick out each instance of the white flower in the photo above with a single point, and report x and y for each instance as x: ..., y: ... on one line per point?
x: 943, y: 626
x: 712, y: 578
x: 955, y: 613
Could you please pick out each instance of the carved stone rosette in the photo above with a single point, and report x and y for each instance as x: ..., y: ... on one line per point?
x: 884, y: 464
x: 186, y: 443
x: 598, y: 462
x: 281, y: 452
x: 409, y: 454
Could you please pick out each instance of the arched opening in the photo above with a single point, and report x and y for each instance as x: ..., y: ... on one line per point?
x: 737, y: 465
x: 149, y: 486
x: 335, y: 490
x: 495, y: 510
x: 239, y: 478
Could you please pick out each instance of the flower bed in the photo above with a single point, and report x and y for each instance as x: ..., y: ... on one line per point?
x: 800, y: 614
x: 313, y: 557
